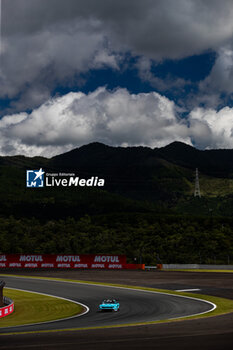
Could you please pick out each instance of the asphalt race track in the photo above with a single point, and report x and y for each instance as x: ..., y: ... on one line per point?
x: 135, y: 306
x: 211, y: 333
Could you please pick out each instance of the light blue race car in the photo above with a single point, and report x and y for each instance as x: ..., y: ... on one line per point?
x: 109, y: 304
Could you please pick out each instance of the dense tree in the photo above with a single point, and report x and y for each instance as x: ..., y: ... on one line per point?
x: 142, y: 237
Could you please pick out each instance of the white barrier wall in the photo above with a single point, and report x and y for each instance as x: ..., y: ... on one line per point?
x: 197, y: 266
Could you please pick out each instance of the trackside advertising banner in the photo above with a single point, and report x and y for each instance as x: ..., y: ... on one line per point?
x: 65, y: 261
x: 7, y: 310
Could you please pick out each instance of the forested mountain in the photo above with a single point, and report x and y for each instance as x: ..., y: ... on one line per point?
x: 146, y: 207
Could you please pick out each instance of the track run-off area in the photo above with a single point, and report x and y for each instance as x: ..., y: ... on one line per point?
x: 137, y: 306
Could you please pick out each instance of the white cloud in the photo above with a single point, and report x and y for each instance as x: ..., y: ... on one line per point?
x: 220, y: 78
x: 52, y: 56
x: 161, y: 28
x: 114, y: 118
x: 212, y: 129
x: 47, y: 43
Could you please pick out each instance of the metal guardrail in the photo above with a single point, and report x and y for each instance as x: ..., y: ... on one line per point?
x: 197, y: 266
x: 189, y: 266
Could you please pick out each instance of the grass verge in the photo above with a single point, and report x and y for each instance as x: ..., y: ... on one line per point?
x: 35, y: 308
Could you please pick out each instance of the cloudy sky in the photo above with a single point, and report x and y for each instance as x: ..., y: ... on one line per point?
x: 125, y: 73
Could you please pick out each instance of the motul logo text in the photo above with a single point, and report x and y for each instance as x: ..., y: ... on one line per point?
x: 31, y: 258
x: 68, y: 258
x: 104, y: 258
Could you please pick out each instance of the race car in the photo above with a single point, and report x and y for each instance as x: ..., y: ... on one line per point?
x: 109, y: 304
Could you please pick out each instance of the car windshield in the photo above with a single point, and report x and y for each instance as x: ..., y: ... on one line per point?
x: 109, y: 301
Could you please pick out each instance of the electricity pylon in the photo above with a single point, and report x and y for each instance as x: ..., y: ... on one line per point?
x: 197, y: 192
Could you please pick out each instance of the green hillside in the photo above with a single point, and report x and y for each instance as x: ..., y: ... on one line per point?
x: 146, y: 209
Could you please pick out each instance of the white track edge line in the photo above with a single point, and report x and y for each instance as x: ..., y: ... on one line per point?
x: 187, y: 290
x: 52, y: 321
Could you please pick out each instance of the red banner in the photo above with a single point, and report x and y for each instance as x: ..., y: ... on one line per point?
x: 7, y: 310
x: 100, y: 261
